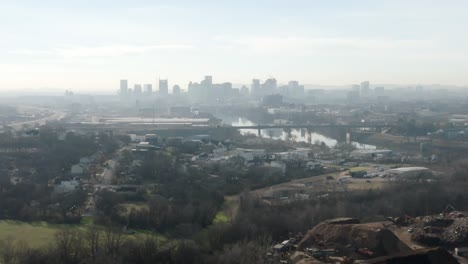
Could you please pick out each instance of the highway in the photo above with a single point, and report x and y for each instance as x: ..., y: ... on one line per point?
x: 56, y: 115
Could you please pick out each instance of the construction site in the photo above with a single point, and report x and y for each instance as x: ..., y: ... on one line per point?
x: 441, y: 238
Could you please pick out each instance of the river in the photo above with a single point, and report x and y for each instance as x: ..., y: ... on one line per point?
x: 298, y: 135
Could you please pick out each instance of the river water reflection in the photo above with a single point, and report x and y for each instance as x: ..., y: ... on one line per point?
x: 298, y: 135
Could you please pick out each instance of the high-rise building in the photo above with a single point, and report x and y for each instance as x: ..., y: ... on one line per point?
x: 295, y: 90
x: 221, y: 90
x: 365, y: 88
x: 293, y: 84
x: 163, y: 87
x: 269, y: 86
x: 148, y: 88
x: 292, y: 87
x: 209, y: 80
x: 194, y: 90
x: 176, y: 89
x: 244, y: 90
x: 255, y: 88
x: 205, y: 89
x: 123, y: 87
x: 137, y: 90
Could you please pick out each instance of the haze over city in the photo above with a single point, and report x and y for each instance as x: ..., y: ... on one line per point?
x: 233, y: 132
x: 86, y: 46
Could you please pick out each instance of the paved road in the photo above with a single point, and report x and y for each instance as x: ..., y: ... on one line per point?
x: 108, y: 174
x: 56, y: 115
x: 105, y: 179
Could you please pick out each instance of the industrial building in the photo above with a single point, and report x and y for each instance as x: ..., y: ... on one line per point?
x: 370, y: 153
x: 409, y: 172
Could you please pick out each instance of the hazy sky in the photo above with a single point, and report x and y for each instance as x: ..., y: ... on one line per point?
x: 91, y: 44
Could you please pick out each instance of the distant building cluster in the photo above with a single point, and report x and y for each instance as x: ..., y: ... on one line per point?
x: 364, y: 91
x: 207, y: 90
x: 270, y: 86
x: 145, y: 89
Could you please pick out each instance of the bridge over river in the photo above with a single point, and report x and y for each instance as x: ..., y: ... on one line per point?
x: 186, y: 129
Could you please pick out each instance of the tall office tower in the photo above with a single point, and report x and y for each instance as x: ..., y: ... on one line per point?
x: 205, y: 91
x: 293, y: 84
x: 195, y: 90
x: 292, y: 88
x: 148, y: 88
x: 221, y: 90
x: 255, y: 88
x: 137, y: 90
x: 176, y: 90
x: 209, y: 80
x: 269, y: 86
x: 365, y: 87
x: 163, y: 87
x: 244, y: 90
x: 123, y: 87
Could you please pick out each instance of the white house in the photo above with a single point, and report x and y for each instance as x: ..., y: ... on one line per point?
x: 312, y: 165
x: 279, y: 165
x: 251, y: 154
x: 79, y: 169
x: 66, y: 186
x: 220, y: 150
x: 86, y: 160
x: 297, y: 154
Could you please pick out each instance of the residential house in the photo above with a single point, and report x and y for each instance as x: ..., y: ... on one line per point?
x: 79, y: 169
x: 297, y: 154
x: 67, y: 186
x: 220, y: 150
x: 251, y: 155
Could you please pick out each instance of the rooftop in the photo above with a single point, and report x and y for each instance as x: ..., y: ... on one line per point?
x: 408, y: 169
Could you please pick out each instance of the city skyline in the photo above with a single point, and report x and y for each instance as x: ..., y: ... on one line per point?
x: 87, y: 46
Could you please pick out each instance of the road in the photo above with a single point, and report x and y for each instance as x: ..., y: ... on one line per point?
x: 56, y: 115
x: 104, y: 180
x: 107, y: 175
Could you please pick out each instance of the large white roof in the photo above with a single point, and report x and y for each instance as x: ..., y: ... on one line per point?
x: 408, y: 169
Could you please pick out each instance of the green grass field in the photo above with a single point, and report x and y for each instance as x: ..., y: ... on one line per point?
x: 136, y: 206
x: 41, y: 234
x: 34, y: 234
x: 220, y: 217
x: 364, y: 185
x: 355, y: 169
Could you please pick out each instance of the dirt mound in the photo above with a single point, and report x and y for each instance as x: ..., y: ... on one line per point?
x: 346, y: 238
x: 342, y: 221
x: 449, y: 230
x: 439, y: 222
x: 309, y: 261
x: 422, y: 256
x: 302, y: 258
